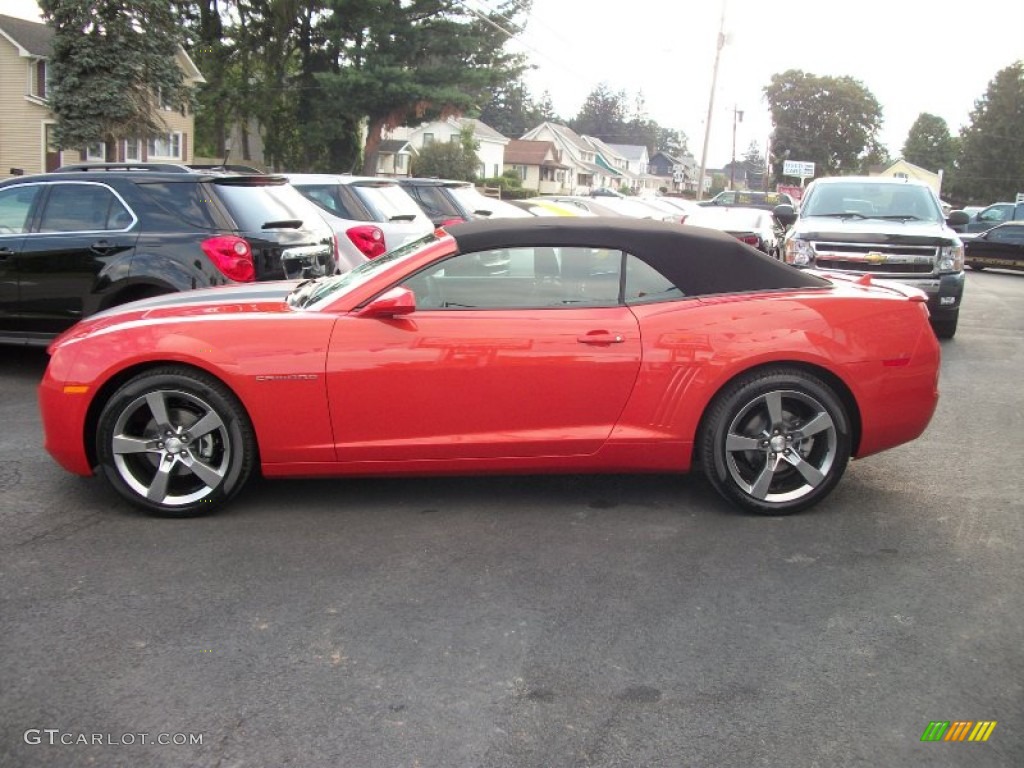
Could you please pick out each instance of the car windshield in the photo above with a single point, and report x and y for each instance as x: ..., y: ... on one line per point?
x: 311, y: 292
x: 387, y: 201
x: 476, y: 203
x: 865, y: 200
x: 257, y: 203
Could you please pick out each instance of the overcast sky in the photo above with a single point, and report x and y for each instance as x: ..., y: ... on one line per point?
x: 913, y: 55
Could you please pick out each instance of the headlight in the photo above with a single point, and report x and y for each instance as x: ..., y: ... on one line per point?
x: 951, y: 258
x: 799, y: 252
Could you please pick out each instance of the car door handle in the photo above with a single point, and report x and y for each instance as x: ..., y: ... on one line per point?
x: 601, y: 337
x: 5, y: 254
x: 102, y: 247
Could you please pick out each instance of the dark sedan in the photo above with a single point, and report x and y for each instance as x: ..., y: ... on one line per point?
x: 1001, y: 247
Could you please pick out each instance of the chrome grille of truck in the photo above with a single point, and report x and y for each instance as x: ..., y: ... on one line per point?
x: 891, y: 259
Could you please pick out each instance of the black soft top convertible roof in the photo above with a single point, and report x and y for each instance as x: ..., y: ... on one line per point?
x: 698, y: 261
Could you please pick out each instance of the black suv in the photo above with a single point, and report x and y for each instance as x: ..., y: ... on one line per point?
x: 88, y: 237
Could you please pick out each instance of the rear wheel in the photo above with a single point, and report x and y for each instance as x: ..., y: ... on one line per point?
x: 776, y: 441
x: 976, y: 267
x: 176, y: 442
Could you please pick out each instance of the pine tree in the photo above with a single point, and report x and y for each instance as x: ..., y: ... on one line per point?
x: 114, y: 64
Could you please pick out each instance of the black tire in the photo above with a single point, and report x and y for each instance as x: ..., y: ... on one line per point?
x: 150, y: 423
x: 945, y: 326
x: 754, y: 447
x: 976, y: 267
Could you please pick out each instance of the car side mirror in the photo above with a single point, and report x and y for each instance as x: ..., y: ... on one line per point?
x: 957, y: 218
x: 393, y: 303
x: 785, y: 214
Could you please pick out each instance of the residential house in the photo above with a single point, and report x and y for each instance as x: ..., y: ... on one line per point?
x: 491, y: 150
x: 901, y: 169
x: 27, y: 124
x: 677, y: 173
x: 614, y: 164
x: 638, y: 163
x: 537, y: 163
x: 394, y: 158
x: 585, y: 173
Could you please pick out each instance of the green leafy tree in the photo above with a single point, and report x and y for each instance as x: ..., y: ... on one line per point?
x: 991, y: 163
x: 929, y: 144
x: 450, y: 159
x: 830, y: 121
x: 673, y: 141
x: 113, y: 65
x: 754, y: 164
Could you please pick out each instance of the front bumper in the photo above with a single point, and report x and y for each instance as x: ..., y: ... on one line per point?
x: 944, y: 292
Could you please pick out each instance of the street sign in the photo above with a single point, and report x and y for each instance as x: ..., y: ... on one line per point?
x: 798, y: 168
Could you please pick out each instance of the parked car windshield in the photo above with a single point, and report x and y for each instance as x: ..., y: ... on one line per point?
x: 387, y: 201
x: 476, y: 203
x: 864, y: 200
x: 310, y: 292
x: 255, y: 204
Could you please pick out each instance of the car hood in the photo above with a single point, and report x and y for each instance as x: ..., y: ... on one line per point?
x: 872, y: 231
x: 268, y: 297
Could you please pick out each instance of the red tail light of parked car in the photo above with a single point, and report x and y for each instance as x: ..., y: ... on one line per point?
x: 232, y: 255
x: 368, y: 239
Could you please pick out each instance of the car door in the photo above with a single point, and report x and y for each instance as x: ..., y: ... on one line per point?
x: 512, y: 353
x: 84, y: 238
x: 1000, y: 247
x: 990, y: 217
x: 17, y: 207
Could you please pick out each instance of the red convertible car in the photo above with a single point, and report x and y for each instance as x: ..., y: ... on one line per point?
x: 540, y: 345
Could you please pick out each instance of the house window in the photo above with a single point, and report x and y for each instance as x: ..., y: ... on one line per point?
x: 400, y: 162
x: 132, y: 150
x: 41, y: 80
x: 167, y: 147
x: 901, y: 176
x: 97, y: 151
x: 520, y: 171
x: 428, y: 138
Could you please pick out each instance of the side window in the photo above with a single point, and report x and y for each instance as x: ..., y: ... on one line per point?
x: 993, y: 215
x: 1007, y: 235
x: 521, y: 278
x: 83, y: 208
x: 15, y: 206
x: 327, y: 197
x: 645, y: 284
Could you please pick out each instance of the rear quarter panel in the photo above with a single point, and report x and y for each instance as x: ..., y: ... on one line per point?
x: 881, y: 348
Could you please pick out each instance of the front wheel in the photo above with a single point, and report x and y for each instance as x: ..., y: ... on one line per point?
x: 776, y: 441
x: 176, y: 442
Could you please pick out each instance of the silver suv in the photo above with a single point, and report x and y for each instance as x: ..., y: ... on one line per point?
x: 369, y: 215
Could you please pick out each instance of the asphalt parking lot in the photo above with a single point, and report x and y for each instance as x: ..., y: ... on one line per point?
x: 541, y: 621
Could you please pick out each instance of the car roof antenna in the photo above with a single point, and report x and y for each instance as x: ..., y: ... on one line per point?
x: 227, y: 152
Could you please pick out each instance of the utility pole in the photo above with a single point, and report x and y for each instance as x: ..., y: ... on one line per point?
x: 737, y: 116
x: 711, y: 106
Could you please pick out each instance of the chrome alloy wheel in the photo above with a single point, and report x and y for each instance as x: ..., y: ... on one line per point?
x: 780, y: 446
x: 171, y: 447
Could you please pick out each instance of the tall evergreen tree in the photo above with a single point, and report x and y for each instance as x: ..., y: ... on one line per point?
x: 114, y: 63
x: 603, y: 115
x: 991, y: 163
x: 510, y: 110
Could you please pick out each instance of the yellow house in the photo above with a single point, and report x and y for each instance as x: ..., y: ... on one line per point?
x: 26, y: 122
x: 901, y: 169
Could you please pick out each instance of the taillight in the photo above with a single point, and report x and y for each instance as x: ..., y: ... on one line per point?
x: 449, y: 222
x: 368, y: 239
x: 232, y: 256
x: 753, y: 240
